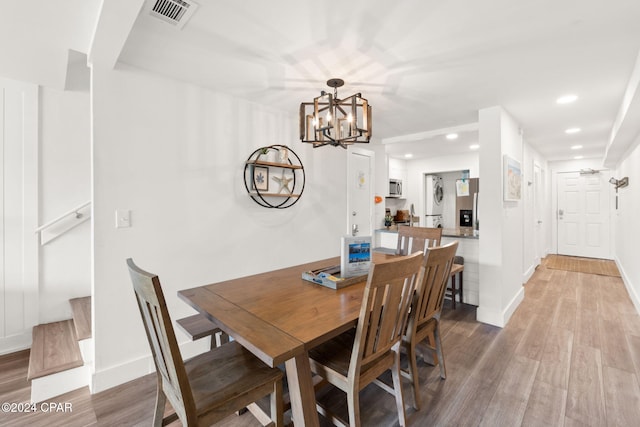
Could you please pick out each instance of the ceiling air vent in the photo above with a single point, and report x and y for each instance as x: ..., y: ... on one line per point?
x: 175, y: 12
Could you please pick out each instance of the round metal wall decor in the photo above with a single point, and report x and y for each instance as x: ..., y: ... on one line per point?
x: 274, y: 177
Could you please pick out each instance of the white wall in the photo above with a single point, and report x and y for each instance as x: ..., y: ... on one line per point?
x: 18, y: 214
x: 174, y: 155
x: 65, y: 183
x: 627, y: 227
x: 501, y: 230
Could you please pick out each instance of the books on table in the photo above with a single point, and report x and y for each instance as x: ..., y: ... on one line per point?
x: 355, y: 255
x: 355, y: 260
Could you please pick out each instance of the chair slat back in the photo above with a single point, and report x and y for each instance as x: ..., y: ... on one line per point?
x: 385, y: 306
x: 414, y: 239
x: 435, y: 272
x: 162, y: 339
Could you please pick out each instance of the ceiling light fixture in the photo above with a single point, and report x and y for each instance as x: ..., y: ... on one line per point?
x: 474, y: 146
x: 578, y: 157
x: 572, y: 130
x: 408, y: 156
x: 329, y: 120
x: 452, y: 136
x: 576, y: 147
x: 566, y: 99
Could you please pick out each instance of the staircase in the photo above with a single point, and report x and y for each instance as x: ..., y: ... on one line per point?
x: 61, y: 354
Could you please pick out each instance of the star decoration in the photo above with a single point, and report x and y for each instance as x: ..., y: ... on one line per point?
x: 284, y: 182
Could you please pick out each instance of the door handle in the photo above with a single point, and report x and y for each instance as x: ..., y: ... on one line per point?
x: 354, y: 230
x: 560, y: 213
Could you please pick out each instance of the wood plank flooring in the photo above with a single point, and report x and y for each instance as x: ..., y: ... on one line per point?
x: 570, y: 356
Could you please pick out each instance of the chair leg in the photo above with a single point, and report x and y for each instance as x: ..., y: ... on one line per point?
x: 353, y: 402
x: 397, y: 385
x: 461, y: 283
x: 443, y: 369
x: 413, y: 374
x: 453, y: 291
x: 161, y: 399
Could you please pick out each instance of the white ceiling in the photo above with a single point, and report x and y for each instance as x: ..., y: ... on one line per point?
x: 423, y: 65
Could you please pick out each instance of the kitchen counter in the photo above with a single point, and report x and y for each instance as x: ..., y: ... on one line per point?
x: 464, y: 233
x: 386, y: 240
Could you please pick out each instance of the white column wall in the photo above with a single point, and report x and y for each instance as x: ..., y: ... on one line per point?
x: 626, y: 225
x: 173, y: 154
x: 501, y: 230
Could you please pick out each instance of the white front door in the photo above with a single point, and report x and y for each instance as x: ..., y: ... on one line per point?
x: 583, y: 215
x: 360, y: 192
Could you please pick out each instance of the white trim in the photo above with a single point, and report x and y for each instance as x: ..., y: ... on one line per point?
x: 15, y: 343
x: 136, y: 368
x: 532, y: 269
x: 500, y: 319
x: 635, y: 298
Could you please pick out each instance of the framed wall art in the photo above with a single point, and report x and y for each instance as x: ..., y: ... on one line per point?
x: 512, y: 179
x: 260, y: 178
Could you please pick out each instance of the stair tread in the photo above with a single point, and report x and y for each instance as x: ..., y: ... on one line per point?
x: 54, y: 349
x: 81, y: 309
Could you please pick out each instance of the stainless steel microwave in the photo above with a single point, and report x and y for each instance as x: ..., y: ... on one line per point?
x: 395, y: 187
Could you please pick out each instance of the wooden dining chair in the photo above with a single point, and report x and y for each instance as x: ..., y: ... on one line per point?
x: 359, y: 356
x: 424, y: 317
x: 211, y: 386
x: 414, y: 239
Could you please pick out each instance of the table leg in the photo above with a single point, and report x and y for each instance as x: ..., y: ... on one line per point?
x: 301, y: 392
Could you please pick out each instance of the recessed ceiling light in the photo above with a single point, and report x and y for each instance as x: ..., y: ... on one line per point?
x: 452, y: 136
x: 474, y: 146
x: 408, y: 155
x: 576, y: 147
x: 578, y: 157
x: 566, y: 99
x: 572, y: 130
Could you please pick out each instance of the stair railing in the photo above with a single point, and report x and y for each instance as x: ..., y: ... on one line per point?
x: 63, y: 223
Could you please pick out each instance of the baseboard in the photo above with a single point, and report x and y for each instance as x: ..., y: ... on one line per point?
x: 136, y: 368
x: 527, y: 274
x: 627, y: 283
x: 14, y: 343
x: 500, y: 318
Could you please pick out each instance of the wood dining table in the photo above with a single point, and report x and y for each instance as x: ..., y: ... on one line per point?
x: 279, y: 317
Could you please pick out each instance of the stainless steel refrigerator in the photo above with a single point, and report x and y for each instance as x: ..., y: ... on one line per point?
x: 467, y: 192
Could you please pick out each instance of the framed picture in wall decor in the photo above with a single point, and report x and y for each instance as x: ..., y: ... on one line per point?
x: 512, y: 179
x: 260, y: 181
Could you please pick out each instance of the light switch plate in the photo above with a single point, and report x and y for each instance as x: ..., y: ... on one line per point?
x: 123, y: 218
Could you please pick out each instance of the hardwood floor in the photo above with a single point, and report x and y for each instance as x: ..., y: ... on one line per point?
x: 570, y: 356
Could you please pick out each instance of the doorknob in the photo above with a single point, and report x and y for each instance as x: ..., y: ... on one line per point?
x: 354, y: 213
x: 354, y: 229
x: 560, y: 213
x: 539, y: 222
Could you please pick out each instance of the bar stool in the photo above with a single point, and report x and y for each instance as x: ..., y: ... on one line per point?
x: 456, y: 269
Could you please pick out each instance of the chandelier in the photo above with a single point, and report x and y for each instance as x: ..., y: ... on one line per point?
x: 329, y: 120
